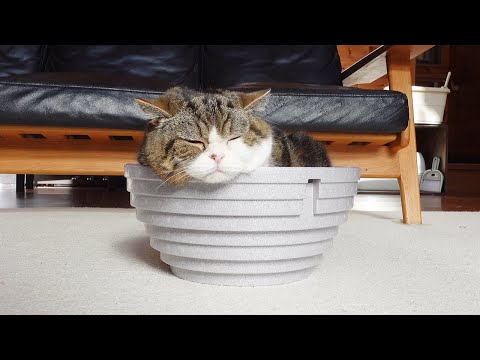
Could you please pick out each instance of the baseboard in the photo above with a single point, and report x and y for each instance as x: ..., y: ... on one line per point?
x: 463, y: 179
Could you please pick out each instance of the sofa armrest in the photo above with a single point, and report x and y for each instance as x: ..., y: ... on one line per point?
x: 396, y: 61
x: 374, y: 65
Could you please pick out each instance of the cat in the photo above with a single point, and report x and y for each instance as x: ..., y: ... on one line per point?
x: 215, y: 135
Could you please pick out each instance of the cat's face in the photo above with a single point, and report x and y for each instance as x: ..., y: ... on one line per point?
x: 211, y: 137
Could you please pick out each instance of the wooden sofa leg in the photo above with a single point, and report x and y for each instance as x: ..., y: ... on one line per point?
x: 400, y: 79
x: 409, y: 186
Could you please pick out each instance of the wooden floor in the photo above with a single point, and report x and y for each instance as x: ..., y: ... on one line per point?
x: 379, y: 201
x: 64, y: 197
x: 119, y: 198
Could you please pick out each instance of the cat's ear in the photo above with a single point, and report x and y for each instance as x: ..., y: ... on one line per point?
x: 155, y: 108
x: 253, y: 99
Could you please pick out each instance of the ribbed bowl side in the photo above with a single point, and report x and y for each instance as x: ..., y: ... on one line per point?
x: 265, y: 228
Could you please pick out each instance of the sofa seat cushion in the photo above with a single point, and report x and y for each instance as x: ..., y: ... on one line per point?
x: 106, y: 101
x: 76, y: 100
x: 332, y: 108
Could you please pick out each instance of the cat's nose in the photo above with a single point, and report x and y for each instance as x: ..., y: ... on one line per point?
x: 217, y: 157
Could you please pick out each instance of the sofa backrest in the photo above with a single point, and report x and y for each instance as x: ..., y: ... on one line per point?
x: 229, y: 65
x: 21, y: 59
x: 196, y: 66
x: 177, y: 64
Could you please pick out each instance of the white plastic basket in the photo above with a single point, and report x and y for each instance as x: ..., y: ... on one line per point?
x: 428, y: 104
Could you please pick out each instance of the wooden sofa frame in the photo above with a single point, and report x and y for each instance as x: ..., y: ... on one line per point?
x: 89, y: 151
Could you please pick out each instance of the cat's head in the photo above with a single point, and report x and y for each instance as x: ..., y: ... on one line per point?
x: 209, y: 136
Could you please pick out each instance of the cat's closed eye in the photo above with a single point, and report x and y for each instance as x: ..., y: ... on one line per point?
x: 196, y: 142
x: 234, y: 138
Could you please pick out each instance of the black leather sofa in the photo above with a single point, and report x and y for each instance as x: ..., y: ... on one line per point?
x: 85, y: 87
x: 93, y: 86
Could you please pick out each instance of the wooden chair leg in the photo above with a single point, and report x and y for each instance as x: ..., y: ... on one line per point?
x: 400, y: 79
x: 409, y: 186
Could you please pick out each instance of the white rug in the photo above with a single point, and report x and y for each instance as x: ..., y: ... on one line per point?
x: 98, y: 261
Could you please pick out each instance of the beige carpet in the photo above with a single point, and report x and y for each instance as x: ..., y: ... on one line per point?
x: 98, y: 261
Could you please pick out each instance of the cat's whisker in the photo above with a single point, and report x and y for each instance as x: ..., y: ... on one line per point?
x: 169, y: 172
x: 182, y: 161
x: 169, y: 178
x: 181, y: 177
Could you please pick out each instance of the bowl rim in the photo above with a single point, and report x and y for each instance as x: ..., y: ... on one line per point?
x: 266, y: 175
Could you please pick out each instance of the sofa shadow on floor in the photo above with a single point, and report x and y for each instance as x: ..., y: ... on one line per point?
x: 139, y: 249
x: 387, y: 215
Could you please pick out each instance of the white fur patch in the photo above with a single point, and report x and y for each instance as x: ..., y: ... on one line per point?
x: 238, y: 158
x: 214, y: 137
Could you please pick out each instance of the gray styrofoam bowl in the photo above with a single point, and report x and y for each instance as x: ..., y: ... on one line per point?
x: 264, y: 228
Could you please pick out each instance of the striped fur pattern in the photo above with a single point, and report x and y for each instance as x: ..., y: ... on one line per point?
x: 215, y: 135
